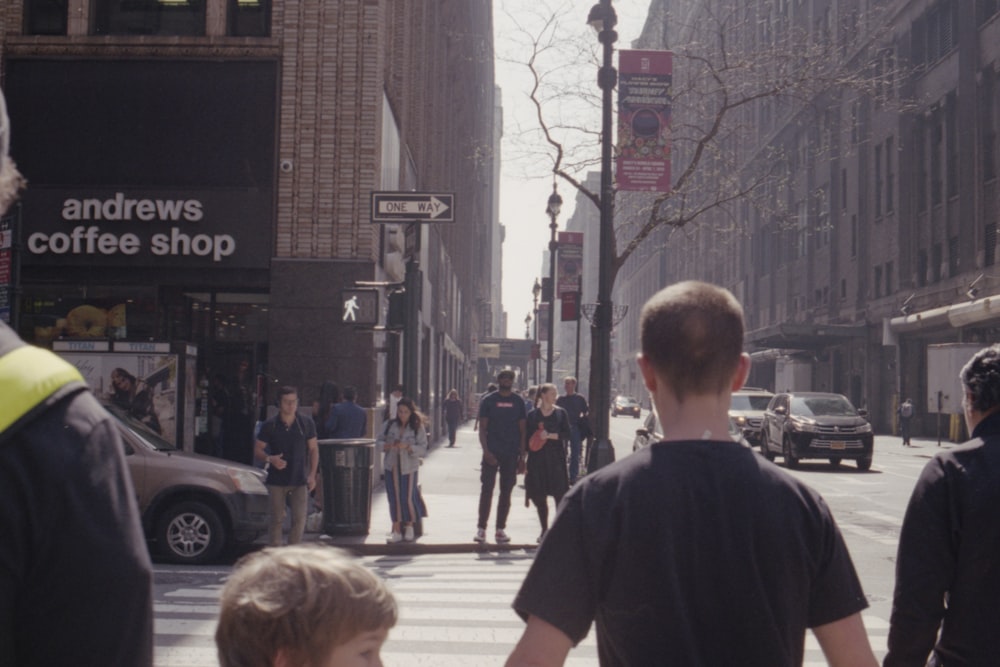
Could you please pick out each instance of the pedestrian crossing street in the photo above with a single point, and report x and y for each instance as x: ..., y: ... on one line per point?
x: 454, y: 611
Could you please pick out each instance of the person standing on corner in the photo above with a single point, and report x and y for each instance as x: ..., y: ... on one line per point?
x: 694, y: 533
x: 501, y: 435
x: 75, y: 577
x: 576, y: 408
x: 905, y: 419
x: 404, y: 441
x: 548, y: 430
x: 287, y: 443
x: 390, y: 407
x: 452, y: 415
x: 347, y: 419
x: 947, y: 599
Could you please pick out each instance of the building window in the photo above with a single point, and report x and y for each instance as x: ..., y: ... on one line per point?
x: 878, y: 281
x: 854, y: 235
x: 953, y: 262
x: 843, y: 288
x: 843, y: 189
x: 890, y: 176
x: 878, y: 182
x: 937, y: 258
x: 46, y: 17
x: 920, y: 158
x: 937, y: 140
x: 888, y: 278
x: 249, y: 18
x: 922, y: 268
x: 149, y: 17
x: 990, y: 244
x: 951, y: 144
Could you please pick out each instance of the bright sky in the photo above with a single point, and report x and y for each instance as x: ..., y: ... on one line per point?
x: 570, y: 63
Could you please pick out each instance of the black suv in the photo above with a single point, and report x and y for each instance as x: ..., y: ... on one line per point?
x: 815, y: 425
x: 747, y: 410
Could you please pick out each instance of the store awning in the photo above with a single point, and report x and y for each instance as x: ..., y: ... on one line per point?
x: 810, y: 336
x: 956, y: 315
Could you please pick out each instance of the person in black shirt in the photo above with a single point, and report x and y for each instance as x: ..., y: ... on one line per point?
x: 501, y: 435
x: 694, y: 550
x: 287, y: 443
x: 548, y: 426
x: 947, y: 598
x: 576, y: 408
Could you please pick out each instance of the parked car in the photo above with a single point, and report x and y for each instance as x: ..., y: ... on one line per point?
x: 650, y: 433
x: 625, y: 405
x: 192, y: 506
x: 816, y: 425
x: 747, y: 410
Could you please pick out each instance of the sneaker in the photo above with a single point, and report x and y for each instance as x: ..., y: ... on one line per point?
x: 408, y: 534
x: 480, y: 536
x: 502, y: 537
x: 393, y: 537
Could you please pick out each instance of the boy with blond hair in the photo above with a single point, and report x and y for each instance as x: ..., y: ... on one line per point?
x: 303, y: 605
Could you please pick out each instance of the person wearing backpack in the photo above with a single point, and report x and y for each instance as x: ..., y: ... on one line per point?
x: 905, y: 417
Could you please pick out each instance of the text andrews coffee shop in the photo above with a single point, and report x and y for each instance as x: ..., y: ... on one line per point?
x: 143, y: 243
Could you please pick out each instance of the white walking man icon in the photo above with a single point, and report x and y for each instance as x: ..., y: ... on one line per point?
x: 351, y: 309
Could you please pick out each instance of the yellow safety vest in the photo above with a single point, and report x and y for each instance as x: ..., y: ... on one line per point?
x: 28, y: 376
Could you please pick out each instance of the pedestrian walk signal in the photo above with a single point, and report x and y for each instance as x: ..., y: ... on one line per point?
x: 359, y: 306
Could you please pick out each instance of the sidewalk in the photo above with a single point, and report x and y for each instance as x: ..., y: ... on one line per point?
x: 449, y: 479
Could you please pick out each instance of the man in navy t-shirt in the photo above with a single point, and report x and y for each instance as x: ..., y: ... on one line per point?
x: 501, y: 434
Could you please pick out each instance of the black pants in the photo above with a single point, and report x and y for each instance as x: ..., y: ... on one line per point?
x: 507, y: 467
x: 452, y: 428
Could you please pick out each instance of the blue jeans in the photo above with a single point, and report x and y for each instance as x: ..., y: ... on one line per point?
x: 574, y: 453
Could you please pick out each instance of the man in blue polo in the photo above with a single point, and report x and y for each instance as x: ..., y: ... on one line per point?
x: 501, y: 435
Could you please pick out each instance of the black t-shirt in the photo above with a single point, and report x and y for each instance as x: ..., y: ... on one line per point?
x: 292, y: 441
x: 574, y: 405
x: 503, y: 433
x: 75, y: 576
x: 692, y: 553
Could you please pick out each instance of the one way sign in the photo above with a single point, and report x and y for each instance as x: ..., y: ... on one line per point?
x: 413, y: 207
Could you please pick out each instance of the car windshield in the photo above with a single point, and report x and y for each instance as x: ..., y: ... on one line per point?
x: 823, y: 406
x: 743, y: 402
x: 627, y: 401
x: 139, y: 429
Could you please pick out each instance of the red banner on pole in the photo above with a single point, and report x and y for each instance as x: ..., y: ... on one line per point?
x: 570, y: 309
x: 644, y: 120
x: 569, y: 265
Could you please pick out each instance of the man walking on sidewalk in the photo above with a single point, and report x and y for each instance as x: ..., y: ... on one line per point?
x: 576, y: 408
x: 501, y: 435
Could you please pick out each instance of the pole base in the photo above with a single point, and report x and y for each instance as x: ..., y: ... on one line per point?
x: 601, y: 454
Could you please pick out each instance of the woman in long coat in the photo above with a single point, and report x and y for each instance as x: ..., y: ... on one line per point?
x: 404, y: 441
x: 546, y: 474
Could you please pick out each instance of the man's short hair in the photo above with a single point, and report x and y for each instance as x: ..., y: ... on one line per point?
x: 350, y: 393
x: 981, y: 378
x: 285, y: 390
x: 11, y: 180
x: 692, y: 334
x: 506, y: 373
x: 569, y: 379
x: 304, y: 600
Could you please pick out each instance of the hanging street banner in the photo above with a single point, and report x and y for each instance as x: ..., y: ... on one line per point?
x: 569, y: 269
x: 412, y: 207
x: 543, y: 321
x: 644, y: 82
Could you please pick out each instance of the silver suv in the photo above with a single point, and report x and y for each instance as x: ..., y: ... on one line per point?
x: 747, y: 410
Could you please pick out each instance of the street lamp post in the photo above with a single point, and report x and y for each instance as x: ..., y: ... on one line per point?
x: 553, y: 208
x: 536, y: 291
x: 603, y: 19
x: 527, y: 326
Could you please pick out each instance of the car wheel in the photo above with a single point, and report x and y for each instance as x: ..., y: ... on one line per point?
x: 190, y: 532
x: 835, y: 460
x: 765, y: 450
x: 864, y: 464
x: 791, y: 461
x: 637, y: 416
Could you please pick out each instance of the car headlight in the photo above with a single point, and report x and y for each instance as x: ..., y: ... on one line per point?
x: 804, y: 426
x: 741, y: 421
x: 865, y: 428
x: 246, y: 481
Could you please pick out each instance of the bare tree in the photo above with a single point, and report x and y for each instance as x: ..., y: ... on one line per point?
x: 757, y: 90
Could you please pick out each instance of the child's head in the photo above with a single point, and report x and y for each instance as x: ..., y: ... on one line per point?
x: 303, y: 606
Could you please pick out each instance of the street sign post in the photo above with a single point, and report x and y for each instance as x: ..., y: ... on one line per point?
x: 389, y: 207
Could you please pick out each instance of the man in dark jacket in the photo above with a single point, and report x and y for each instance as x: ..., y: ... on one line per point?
x: 75, y: 576
x: 947, y: 579
x: 347, y: 418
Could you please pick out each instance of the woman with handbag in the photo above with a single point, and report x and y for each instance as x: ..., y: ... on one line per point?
x: 547, y: 430
x: 404, y: 441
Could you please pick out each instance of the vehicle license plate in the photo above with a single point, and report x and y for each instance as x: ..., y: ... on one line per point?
x: 837, y: 445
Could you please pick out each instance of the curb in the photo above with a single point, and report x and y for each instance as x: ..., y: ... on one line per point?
x: 418, y: 549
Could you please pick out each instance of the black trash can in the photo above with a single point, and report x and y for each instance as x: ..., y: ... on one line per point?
x: 347, y: 469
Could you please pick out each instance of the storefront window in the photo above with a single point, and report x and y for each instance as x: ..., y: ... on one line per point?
x: 66, y: 313
x: 249, y: 18
x: 45, y: 17
x: 149, y: 17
